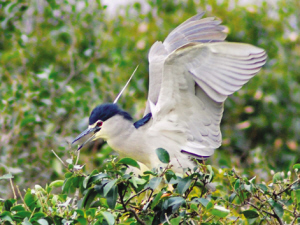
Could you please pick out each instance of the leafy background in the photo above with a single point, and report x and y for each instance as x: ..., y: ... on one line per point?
x: 59, y: 59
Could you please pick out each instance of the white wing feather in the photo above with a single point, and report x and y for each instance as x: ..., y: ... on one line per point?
x: 192, y: 30
x: 189, y: 81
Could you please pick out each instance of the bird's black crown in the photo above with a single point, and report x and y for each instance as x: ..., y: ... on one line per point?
x: 105, y: 111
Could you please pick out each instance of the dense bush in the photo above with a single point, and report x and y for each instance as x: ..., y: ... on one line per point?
x: 158, y: 196
x: 59, y: 59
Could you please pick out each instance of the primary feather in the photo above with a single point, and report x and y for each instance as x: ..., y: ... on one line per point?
x: 191, y: 74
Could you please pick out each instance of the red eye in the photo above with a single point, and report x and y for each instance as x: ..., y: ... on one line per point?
x: 99, y: 124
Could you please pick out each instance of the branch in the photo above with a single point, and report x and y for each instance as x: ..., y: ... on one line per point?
x: 13, y: 189
x: 137, y: 217
x: 26, y: 207
x: 128, y: 200
x: 59, y: 158
x: 288, y: 187
x: 121, y: 199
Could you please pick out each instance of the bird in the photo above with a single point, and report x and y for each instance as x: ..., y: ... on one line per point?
x: 191, y: 74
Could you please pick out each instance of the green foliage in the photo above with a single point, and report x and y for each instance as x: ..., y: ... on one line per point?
x: 117, y: 196
x: 59, y: 59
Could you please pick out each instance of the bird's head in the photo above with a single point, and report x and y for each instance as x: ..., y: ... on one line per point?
x: 99, y: 116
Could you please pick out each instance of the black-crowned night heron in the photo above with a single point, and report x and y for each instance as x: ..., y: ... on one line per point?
x: 191, y: 74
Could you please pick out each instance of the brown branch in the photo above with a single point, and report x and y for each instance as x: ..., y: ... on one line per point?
x: 121, y: 199
x: 128, y: 200
x: 137, y: 217
x: 13, y: 189
x: 288, y: 187
x: 26, y: 207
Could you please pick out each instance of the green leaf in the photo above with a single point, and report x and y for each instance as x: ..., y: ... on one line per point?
x: 163, y: 155
x: 237, y: 185
x: 67, y: 185
x: 8, y: 204
x: 232, y: 197
x: 137, y: 181
x: 295, y: 186
x: 129, y: 162
x: 88, y: 198
x: 91, y: 212
x: 175, y: 221
x: 174, y: 203
x: 250, y: 214
x: 26, y: 222
x: 184, y: 184
x: 278, y: 209
x: 202, y: 201
x: 263, y: 187
x: 277, y: 177
x: 154, y: 182
x: 296, y: 166
x: 77, y: 181
x: 6, y: 216
x: 17, y: 208
x: 82, y: 220
x: 220, y: 211
x: 156, y: 199
x: 32, y: 201
x: 209, y: 205
x: 108, y: 217
x: 149, y: 173
x: 94, y: 179
x: 6, y: 176
x: 112, y: 197
x: 248, y: 187
x: 22, y: 215
x: 297, y: 195
x: 109, y: 186
x: 169, y: 174
x: 43, y: 222
x: 68, y: 174
x: 80, y: 212
x: 37, y: 215
x: 211, y: 172
x: 56, y: 183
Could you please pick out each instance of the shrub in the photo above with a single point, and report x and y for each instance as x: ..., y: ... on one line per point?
x: 157, y: 196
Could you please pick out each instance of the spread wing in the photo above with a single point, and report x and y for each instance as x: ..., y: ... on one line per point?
x: 194, y: 80
x: 192, y: 30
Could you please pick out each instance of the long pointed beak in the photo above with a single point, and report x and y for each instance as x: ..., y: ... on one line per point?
x: 84, y: 133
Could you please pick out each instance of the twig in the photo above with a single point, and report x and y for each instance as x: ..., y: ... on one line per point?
x: 288, y: 187
x: 167, y: 219
x: 169, y: 166
x: 191, y: 188
x: 59, y: 158
x: 278, y: 218
x: 121, y: 199
x: 209, y: 219
x: 74, y: 202
x: 22, y: 198
x: 13, y: 189
x: 77, y: 158
x: 128, y: 200
x: 150, y: 195
x: 254, y: 206
x: 137, y: 217
x: 294, y: 220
